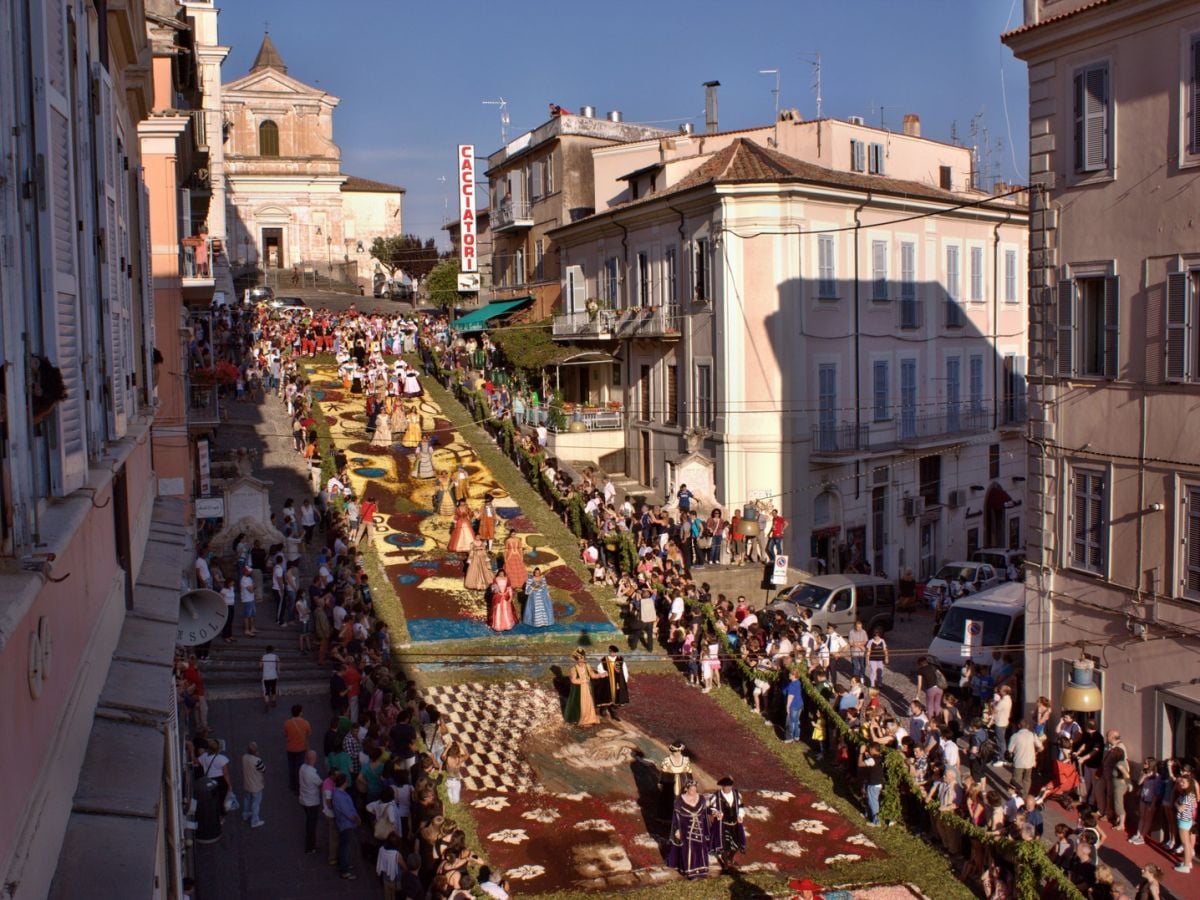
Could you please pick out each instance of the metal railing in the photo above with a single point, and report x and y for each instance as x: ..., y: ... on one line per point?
x: 847, y: 437
x: 951, y: 421
x: 511, y: 214
x: 204, y: 404
x: 593, y: 419
x: 1013, y: 412
x: 650, y: 321
x: 197, y: 253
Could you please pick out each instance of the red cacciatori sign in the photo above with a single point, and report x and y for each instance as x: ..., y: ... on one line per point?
x: 468, y: 259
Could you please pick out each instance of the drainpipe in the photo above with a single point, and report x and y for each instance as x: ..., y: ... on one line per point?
x: 857, y: 349
x: 685, y: 322
x: 996, y: 319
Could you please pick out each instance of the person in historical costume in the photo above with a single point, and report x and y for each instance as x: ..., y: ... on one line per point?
x: 399, y: 420
x: 462, y: 484
x: 356, y: 380
x: 726, y: 816
x: 691, y: 839
x: 539, y: 610
x: 383, y: 427
x: 581, y: 707
x: 502, y: 615
x: 412, y: 387
x: 612, y: 689
x: 479, y: 568
x: 514, y: 559
x: 673, y: 773
x: 462, y: 536
x: 412, y: 433
x: 424, y: 458
x: 487, y: 522
x: 443, y: 497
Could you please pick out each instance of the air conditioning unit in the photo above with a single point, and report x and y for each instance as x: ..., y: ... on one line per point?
x: 956, y: 499
x: 855, y: 120
x: 913, y: 507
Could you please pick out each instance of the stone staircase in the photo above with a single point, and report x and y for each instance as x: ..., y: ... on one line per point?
x: 625, y: 485
x: 231, y: 671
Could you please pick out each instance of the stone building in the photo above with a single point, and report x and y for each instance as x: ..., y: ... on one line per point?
x: 290, y: 206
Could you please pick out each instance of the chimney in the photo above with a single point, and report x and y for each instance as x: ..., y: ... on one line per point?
x: 912, y: 124
x: 614, y: 115
x: 710, y: 106
x: 588, y: 112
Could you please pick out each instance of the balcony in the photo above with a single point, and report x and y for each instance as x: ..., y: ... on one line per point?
x: 831, y: 441
x: 196, y: 267
x: 511, y: 215
x: 949, y: 425
x: 199, y: 130
x: 614, y: 324
x: 1013, y: 414
x: 204, y: 405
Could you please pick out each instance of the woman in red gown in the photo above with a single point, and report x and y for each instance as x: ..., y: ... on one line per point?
x: 461, y: 537
x: 503, y: 615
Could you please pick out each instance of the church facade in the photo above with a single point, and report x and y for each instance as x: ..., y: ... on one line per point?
x: 289, y: 206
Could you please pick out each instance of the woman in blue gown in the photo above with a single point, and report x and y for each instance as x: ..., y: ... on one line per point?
x: 539, y: 611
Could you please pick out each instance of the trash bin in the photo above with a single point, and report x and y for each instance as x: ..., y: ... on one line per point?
x: 208, y: 810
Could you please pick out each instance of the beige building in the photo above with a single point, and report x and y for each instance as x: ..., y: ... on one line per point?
x: 1114, y: 470
x: 842, y: 339
x: 290, y: 206
x: 537, y: 182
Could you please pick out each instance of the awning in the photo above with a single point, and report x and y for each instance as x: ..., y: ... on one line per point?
x: 585, y: 358
x: 997, y: 498
x: 477, y: 320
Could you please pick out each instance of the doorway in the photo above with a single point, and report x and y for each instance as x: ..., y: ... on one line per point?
x: 272, y: 242
x: 120, y: 507
x: 928, y: 550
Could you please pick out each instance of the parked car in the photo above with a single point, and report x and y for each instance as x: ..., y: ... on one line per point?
x: 999, y: 610
x: 974, y: 577
x: 840, y: 600
x: 1000, y: 557
x: 261, y: 294
x: 402, y: 293
x: 287, y: 303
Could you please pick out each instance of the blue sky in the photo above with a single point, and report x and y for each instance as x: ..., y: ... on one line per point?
x: 412, y: 75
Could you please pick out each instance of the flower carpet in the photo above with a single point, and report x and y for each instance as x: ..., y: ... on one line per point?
x: 426, y: 579
x: 560, y: 807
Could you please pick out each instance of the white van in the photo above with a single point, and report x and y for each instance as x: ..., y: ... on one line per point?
x: 1001, y: 609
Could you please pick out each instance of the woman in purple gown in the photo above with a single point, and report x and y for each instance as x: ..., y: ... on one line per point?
x: 689, y: 833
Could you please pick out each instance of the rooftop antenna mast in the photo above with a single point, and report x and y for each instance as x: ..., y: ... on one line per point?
x: 815, y: 61
x: 503, y: 104
x: 774, y: 90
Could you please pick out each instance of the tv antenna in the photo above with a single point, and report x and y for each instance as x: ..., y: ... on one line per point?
x: 814, y: 59
x: 503, y: 104
x: 774, y: 90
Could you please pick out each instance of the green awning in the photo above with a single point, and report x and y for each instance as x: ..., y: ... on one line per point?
x: 477, y: 320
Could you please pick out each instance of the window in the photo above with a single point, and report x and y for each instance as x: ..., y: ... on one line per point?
x: 977, y: 274
x: 611, y: 286
x: 826, y: 272
x: 954, y: 314
x: 1088, y: 317
x: 1191, y: 542
x: 519, y: 266
x: 1088, y: 521
x: 930, y: 474
x: 672, y: 396
x: 616, y: 374
x: 701, y: 275
x: 1093, y: 111
x: 858, y: 156
x: 644, y: 394
x: 908, y: 285
x: 879, y: 524
x: 1010, y: 276
x: 880, y: 384
x: 1014, y: 535
x: 827, y: 404
x: 879, y: 274
x: 1181, y: 351
x: 268, y: 139
x: 575, y: 289
x: 535, y: 192
x: 972, y: 542
x: 704, y: 396
x: 539, y: 259
x: 1013, y: 411
x: 953, y: 393
x: 875, y: 159
x: 976, y: 387
x: 993, y: 460
x: 908, y: 398
x: 643, y: 279
x: 548, y: 176
x: 671, y: 276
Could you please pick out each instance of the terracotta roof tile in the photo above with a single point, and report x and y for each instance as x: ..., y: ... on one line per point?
x: 1024, y: 29
x: 365, y: 185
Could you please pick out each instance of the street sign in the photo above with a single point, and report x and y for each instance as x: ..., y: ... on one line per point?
x: 972, y: 638
x: 468, y: 261
x: 205, y: 467
x: 779, y: 572
x: 468, y: 282
x: 210, y: 507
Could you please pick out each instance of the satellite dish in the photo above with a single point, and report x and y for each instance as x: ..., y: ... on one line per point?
x: 202, y: 615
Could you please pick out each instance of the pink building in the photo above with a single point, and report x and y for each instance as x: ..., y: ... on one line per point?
x: 836, y: 328
x: 1114, y: 472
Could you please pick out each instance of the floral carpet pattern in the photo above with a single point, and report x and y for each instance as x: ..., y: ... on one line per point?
x: 558, y: 806
x: 411, y: 541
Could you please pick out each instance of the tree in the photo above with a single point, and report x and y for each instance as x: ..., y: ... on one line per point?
x: 442, y: 284
x: 407, y: 252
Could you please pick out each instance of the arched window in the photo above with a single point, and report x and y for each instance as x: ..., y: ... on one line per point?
x: 268, y: 139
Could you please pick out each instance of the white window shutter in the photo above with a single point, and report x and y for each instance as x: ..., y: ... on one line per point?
x: 1066, y: 328
x: 58, y: 224
x: 112, y: 276
x: 147, y: 278
x: 1194, y: 96
x: 1179, y: 301
x: 1112, y: 326
x: 1096, y: 125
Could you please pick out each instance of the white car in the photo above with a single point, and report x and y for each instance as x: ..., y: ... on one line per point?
x: 974, y: 577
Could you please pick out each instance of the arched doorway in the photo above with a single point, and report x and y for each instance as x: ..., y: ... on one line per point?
x: 995, y: 502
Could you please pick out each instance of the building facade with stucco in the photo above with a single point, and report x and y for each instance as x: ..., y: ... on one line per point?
x: 289, y: 205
